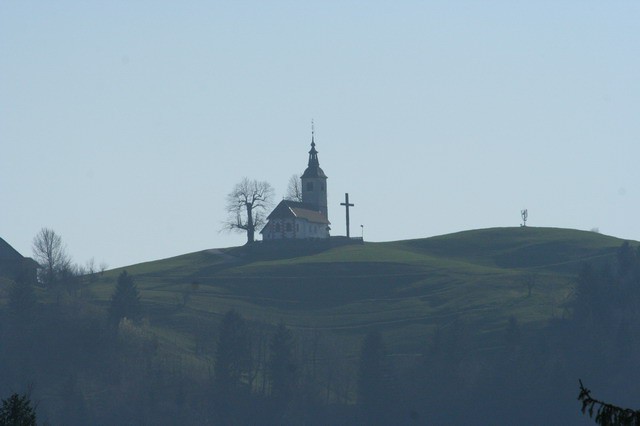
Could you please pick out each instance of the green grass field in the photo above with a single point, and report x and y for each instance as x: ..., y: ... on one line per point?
x: 403, y: 288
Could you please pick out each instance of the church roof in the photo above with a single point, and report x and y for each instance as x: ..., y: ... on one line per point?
x: 7, y: 252
x: 313, y: 168
x: 309, y: 212
x: 312, y: 172
x: 312, y: 216
x: 13, y: 265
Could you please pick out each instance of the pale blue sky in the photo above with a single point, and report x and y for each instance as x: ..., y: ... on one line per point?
x: 123, y: 124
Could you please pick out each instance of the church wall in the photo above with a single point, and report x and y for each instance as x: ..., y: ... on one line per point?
x: 294, y: 228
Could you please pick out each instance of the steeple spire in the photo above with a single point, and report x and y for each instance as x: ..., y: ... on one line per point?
x: 313, y: 154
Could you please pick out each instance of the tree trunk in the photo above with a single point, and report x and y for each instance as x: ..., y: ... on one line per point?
x: 250, y: 225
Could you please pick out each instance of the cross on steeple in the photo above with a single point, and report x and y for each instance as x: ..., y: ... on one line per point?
x: 346, y: 206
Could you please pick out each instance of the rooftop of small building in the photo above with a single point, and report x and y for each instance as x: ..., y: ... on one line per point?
x: 7, y: 252
x: 288, y: 208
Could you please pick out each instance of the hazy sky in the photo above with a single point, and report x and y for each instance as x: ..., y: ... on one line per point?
x: 123, y: 124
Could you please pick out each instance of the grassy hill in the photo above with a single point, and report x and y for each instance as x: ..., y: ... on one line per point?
x: 403, y: 288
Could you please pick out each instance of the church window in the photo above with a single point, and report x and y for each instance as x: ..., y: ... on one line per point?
x: 277, y: 227
x: 288, y: 227
x: 297, y: 227
x: 322, y: 187
x: 309, y: 186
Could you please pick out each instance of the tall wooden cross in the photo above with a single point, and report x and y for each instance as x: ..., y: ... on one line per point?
x: 346, y: 206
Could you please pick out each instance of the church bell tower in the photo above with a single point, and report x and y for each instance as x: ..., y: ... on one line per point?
x: 314, y: 182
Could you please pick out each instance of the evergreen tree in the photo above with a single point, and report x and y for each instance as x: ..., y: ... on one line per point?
x: 591, y: 303
x: 372, y: 385
x: 282, y: 366
x: 233, y: 353
x: 17, y: 411
x: 606, y: 414
x: 125, y: 301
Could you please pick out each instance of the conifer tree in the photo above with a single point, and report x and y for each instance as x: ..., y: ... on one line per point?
x: 125, y: 301
x: 17, y: 411
x: 233, y: 353
x: 282, y: 366
x: 606, y: 414
x: 372, y: 386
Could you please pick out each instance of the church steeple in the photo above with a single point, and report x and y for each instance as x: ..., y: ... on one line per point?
x: 314, y: 181
x: 313, y: 166
x: 313, y: 154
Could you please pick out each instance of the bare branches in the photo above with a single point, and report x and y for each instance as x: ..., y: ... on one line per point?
x: 606, y: 414
x: 246, y: 206
x: 294, y: 189
x: 50, y: 252
x: 258, y: 194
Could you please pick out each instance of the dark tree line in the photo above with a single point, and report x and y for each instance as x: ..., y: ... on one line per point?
x: 606, y: 315
x: 281, y: 399
x: 75, y: 349
x: 52, y: 345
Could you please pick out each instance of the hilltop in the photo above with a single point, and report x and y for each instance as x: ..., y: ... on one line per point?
x: 404, y: 288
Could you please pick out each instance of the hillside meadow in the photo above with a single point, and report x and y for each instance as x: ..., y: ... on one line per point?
x: 404, y: 289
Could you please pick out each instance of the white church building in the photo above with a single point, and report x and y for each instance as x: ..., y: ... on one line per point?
x: 309, y: 219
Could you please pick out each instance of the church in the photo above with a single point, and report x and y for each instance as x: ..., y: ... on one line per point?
x: 309, y: 219
x: 13, y: 265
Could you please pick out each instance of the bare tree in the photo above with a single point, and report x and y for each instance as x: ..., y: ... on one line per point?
x: 294, y: 189
x: 246, y: 206
x: 50, y: 252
